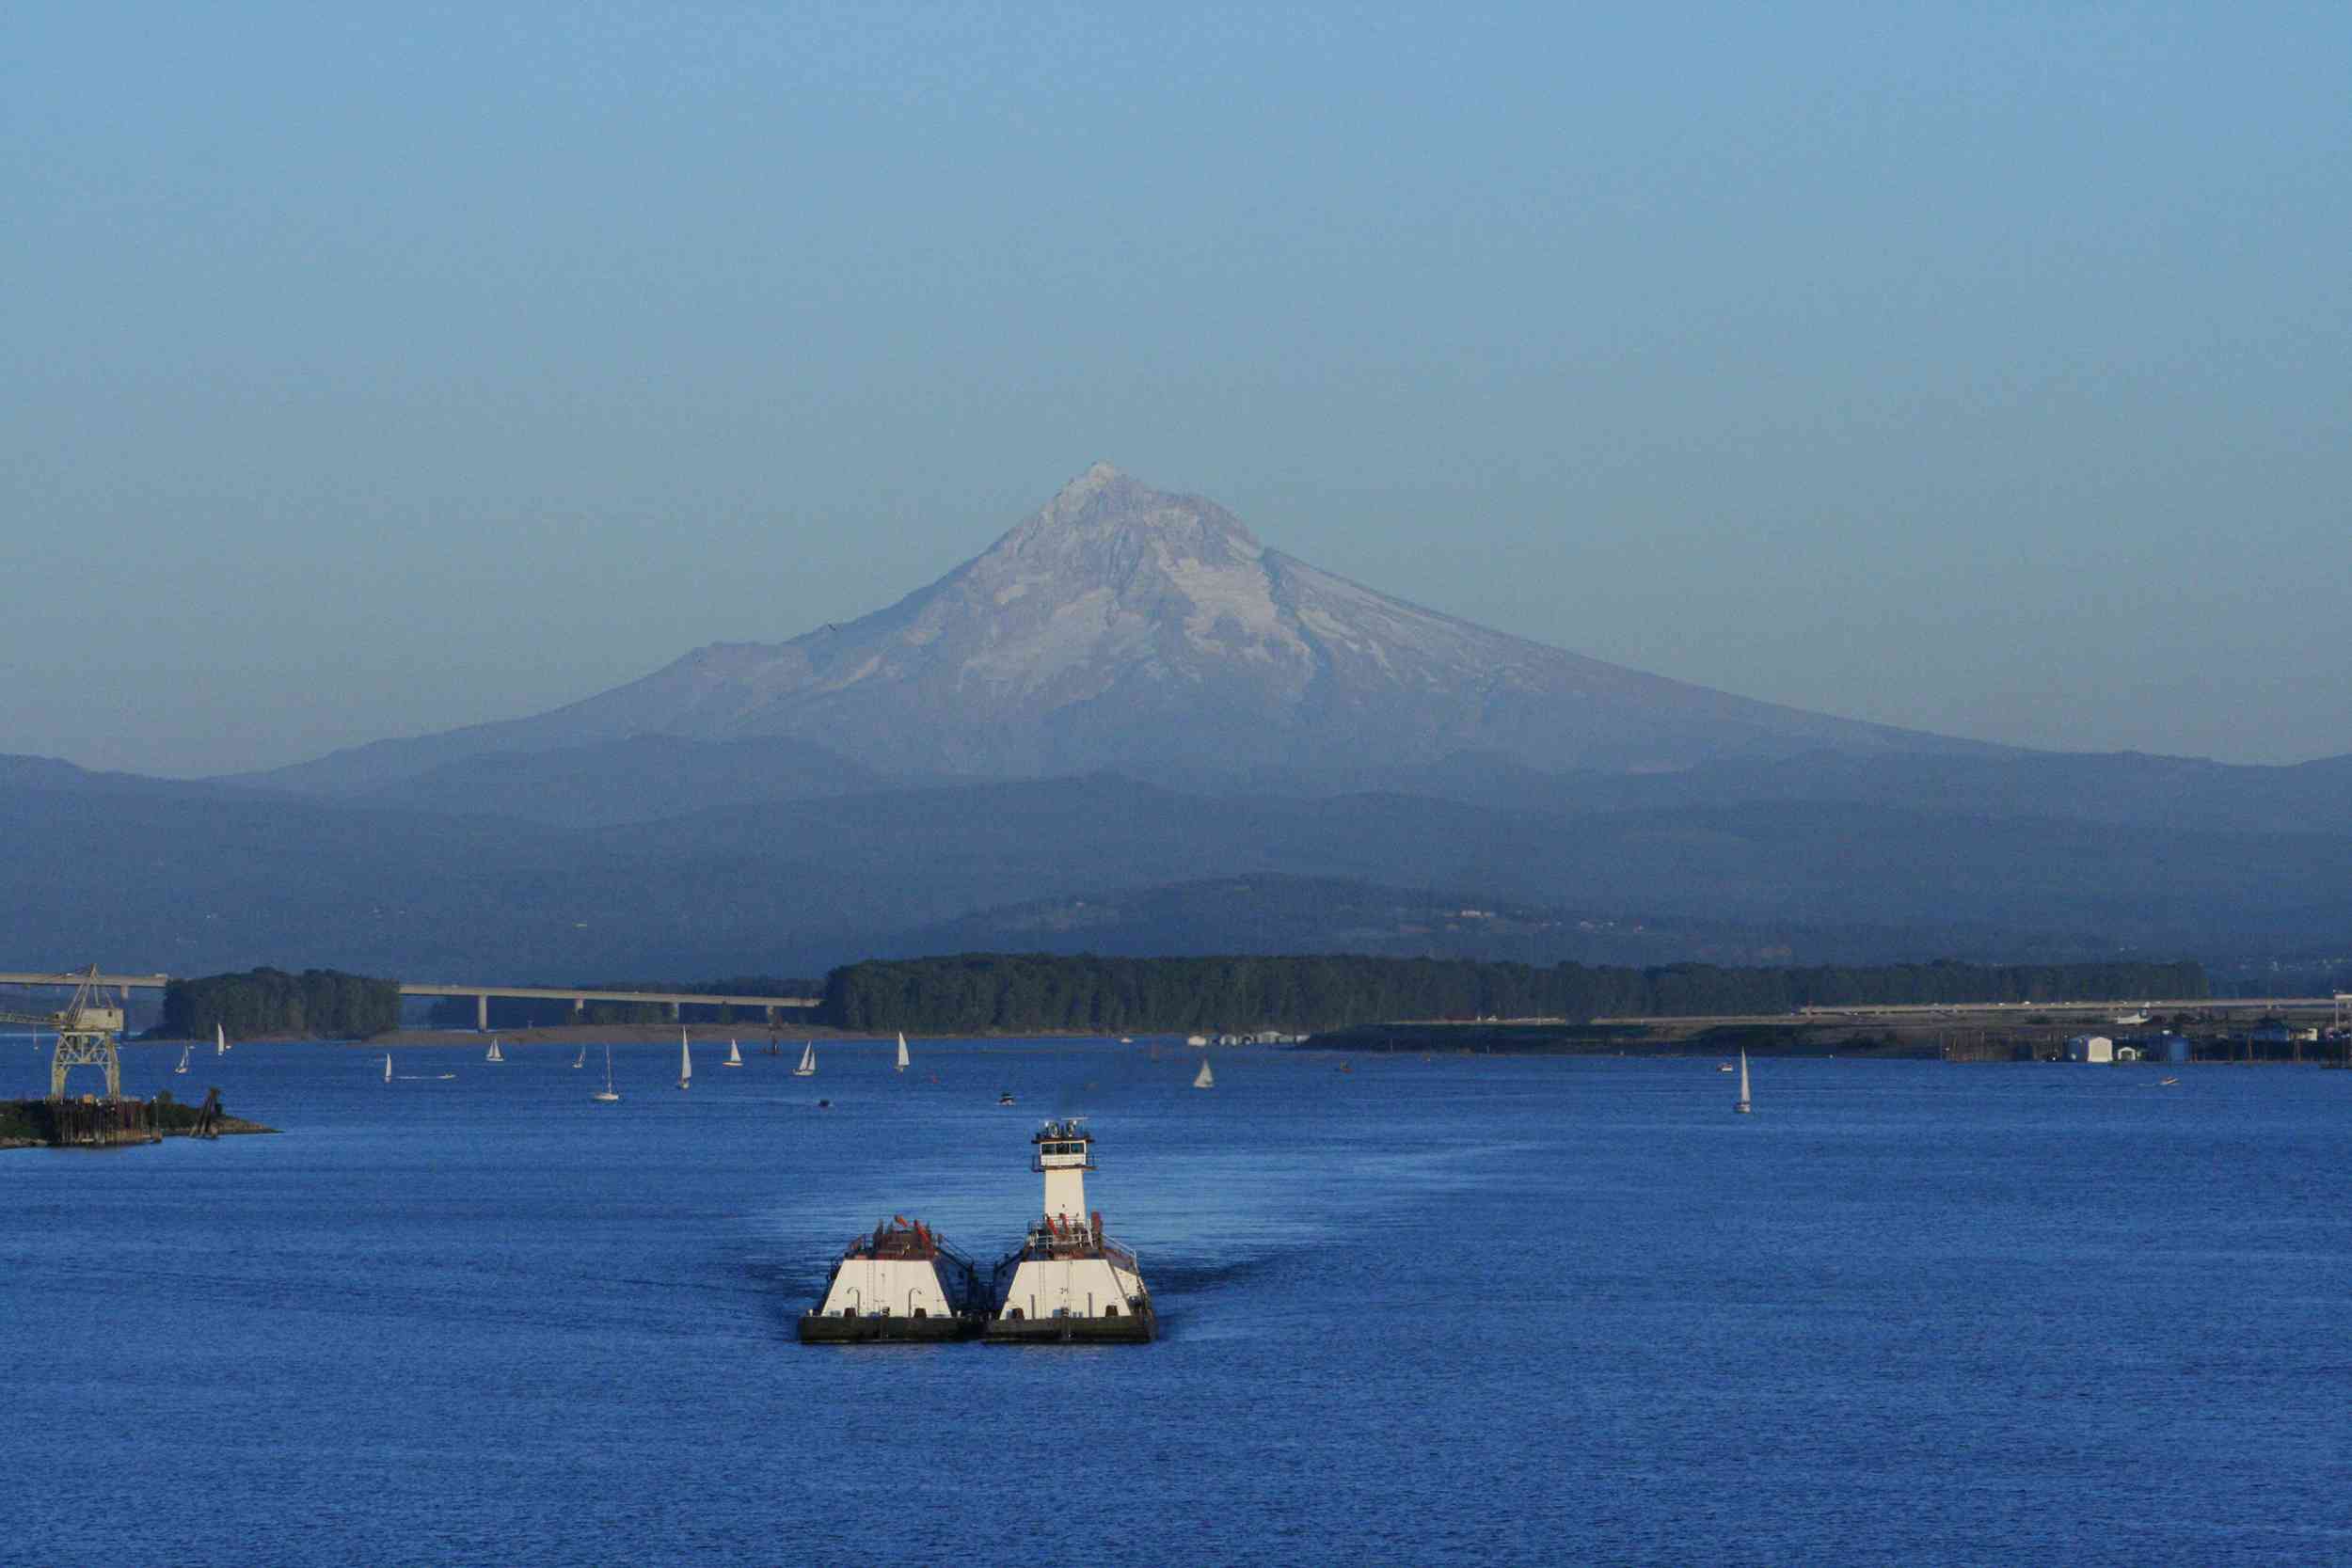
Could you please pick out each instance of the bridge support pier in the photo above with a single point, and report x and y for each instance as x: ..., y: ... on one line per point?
x: 673, y: 1011
x: 482, y: 1013
x: 579, y: 1005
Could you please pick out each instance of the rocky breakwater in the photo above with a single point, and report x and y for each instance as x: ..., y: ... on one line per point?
x: 91, y: 1123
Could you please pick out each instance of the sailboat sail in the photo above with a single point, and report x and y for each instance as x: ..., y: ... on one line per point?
x: 735, y: 1055
x: 1204, y: 1079
x: 608, y: 1096
x: 581, y: 1060
x: 808, y: 1062
x: 902, y: 1050
x: 1743, y: 1083
x: 494, y: 1055
x: 388, y: 1066
x: 220, y: 1041
x: 684, y: 1062
x: 185, y: 1052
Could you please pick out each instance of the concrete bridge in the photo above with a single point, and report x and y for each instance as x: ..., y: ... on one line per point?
x: 769, y: 1005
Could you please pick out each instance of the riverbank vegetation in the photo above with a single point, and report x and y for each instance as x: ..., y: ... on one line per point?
x: 1003, y: 994
x: 321, y: 1004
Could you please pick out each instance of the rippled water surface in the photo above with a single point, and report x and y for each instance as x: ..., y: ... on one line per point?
x: 1474, y: 1309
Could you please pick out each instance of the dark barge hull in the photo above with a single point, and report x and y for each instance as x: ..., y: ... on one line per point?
x: 1136, y: 1330
x: 816, y: 1330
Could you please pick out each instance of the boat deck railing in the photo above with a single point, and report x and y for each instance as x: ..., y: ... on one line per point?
x: 903, y: 1241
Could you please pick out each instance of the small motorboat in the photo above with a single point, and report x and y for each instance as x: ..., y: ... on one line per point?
x: 1005, y: 1099
x: 2166, y: 1083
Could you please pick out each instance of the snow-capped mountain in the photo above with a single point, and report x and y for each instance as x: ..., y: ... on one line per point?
x: 1131, y: 628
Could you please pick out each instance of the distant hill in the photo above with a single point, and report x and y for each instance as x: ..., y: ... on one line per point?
x: 195, y: 879
x: 1290, y: 914
x: 634, y: 780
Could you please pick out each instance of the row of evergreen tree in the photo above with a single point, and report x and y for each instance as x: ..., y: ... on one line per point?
x: 982, y: 992
x: 1010, y: 992
x: 322, y: 1004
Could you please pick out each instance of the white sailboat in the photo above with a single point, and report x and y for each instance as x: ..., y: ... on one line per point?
x: 1204, y: 1079
x: 735, y: 1056
x: 808, y: 1062
x: 494, y: 1055
x: 684, y: 1062
x: 581, y: 1060
x: 607, y: 1096
x: 220, y: 1041
x: 1742, y: 1107
x: 902, y: 1050
x: 185, y: 1052
x: 388, y: 1066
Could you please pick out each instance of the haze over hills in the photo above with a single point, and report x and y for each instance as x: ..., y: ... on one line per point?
x: 1130, y: 725
x: 1130, y: 628
x: 189, y: 878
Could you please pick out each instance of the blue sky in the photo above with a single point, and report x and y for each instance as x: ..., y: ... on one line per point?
x: 368, y: 370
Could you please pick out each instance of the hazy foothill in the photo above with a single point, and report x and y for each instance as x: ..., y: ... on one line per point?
x: 1131, y: 727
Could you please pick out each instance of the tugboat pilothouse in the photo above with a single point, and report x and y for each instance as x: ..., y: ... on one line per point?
x: 902, y: 1282
x: 1069, y: 1281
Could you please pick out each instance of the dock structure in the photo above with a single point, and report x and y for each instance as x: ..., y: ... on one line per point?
x: 85, y: 1028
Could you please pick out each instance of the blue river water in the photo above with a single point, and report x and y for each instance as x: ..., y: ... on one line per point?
x: 1474, y: 1309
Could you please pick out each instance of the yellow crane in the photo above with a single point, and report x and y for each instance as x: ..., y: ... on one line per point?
x: 86, y: 1029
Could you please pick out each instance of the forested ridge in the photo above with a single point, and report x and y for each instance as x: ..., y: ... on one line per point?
x: 322, y: 1004
x: 1013, y: 992
x: 993, y: 993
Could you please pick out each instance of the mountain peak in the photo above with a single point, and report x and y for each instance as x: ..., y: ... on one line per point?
x: 1101, y: 486
x: 1128, y: 627
x: 1107, y: 506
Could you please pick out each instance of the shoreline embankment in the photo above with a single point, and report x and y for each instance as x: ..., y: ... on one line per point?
x: 113, y: 1123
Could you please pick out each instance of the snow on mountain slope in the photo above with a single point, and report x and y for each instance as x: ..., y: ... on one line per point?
x: 1131, y: 628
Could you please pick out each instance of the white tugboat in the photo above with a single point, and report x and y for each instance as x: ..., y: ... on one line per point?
x: 1069, y: 1281
x: 902, y: 1282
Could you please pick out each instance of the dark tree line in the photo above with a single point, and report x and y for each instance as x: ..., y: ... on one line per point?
x: 323, y: 1004
x: 981, y: 992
